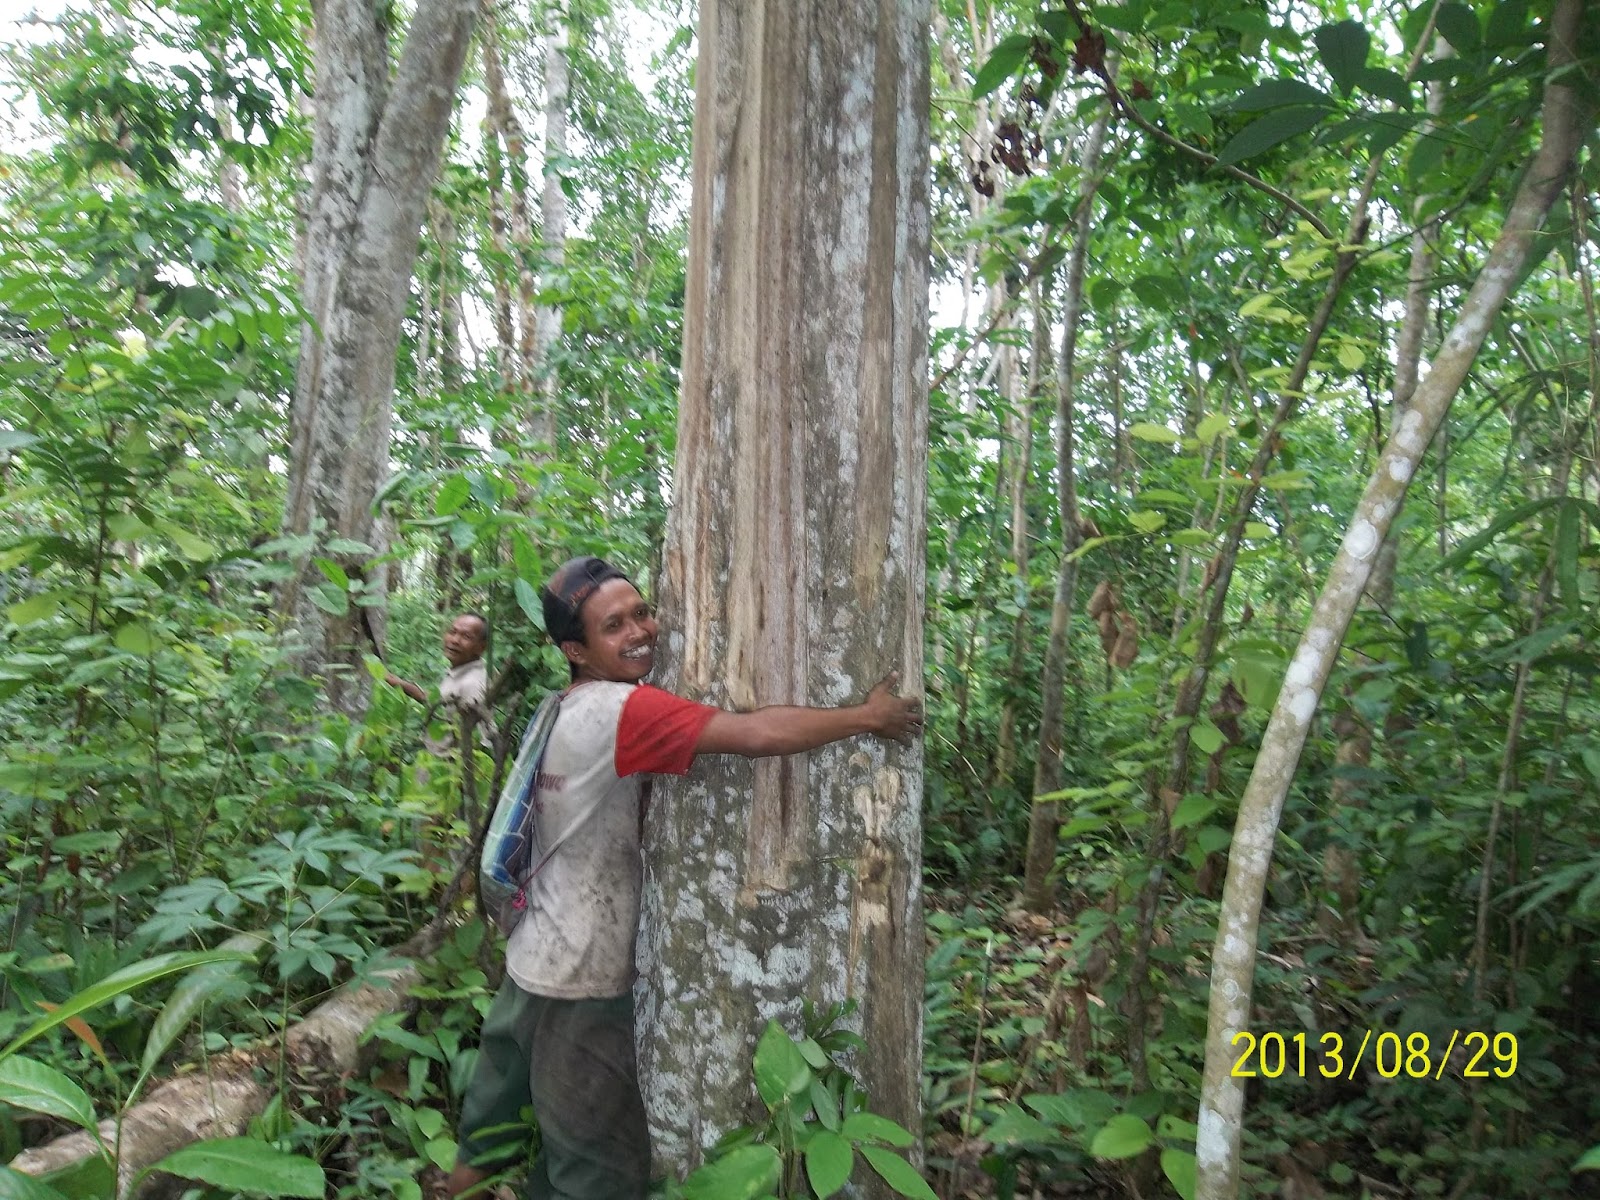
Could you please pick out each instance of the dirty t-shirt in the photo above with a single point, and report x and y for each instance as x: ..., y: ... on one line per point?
x: 577, y: 940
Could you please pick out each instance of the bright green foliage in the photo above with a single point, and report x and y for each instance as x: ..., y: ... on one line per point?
x: 168, y: 786
x: 817, y: 1123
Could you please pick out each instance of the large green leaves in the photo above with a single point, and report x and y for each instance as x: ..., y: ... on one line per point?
x: 190, y: 996
x: 37, y: 1087
x: 1266, y: 132
x: 781, y: 1070
x: 248, y: 1166
x: 14, y: 1185
x: 743, y: 1174
x: 828, y: 1161
x: 126, y: 980
x: 1008, y: 56
x: 898, y: 1173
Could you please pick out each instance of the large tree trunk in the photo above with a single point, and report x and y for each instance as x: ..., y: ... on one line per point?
x: 1565, y: 120
x: 375, y: 151
x: 795, y: 552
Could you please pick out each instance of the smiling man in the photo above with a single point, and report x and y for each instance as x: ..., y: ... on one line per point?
x: 560, y: 1032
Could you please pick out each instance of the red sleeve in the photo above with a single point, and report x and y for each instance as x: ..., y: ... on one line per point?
x: 657, y: 732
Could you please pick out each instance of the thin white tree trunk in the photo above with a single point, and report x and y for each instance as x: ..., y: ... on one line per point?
x: 795, y: 556
x: 1233, y: 958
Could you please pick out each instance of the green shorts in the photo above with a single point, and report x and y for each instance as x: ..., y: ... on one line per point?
x: 573, y: 1062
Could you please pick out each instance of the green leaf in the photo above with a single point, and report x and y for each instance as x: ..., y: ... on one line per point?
x: 780, y: 1069
x: 1146, y: 521
x: 116, y: 984
x: 441, y: 1151
x: 1002, y: 65
x: 1508, y: 25
x: 528, y: 600
x: 1459, y: 26
x: 828, y: 1162
x: 35, y: 608
x: 1146, y: 432
x: 898, y: 1173
x: 1078, y: 1108
x: 1266, y: 132
x: 1211, y: 428
x: 1343, y: 49
x: 190, y: 996
x: 1206, y: 736
x: 93, y: 1177
x: 1278, y: 93
x: 865, y: 1126
x: 742, y: 1174
x: 1192, y: 809
x: 1169, y: 1126
x: 349, y: 546
x: 1211, y: 839
x: 36, y: 1087
x: 1122, y: 1137
x: 333, y: 572
x: 1384, y: 84
x: 246, y: 1165
x: 127, y: 527
x: 1179, y: 1168
x: 1590, y: 1160
x: 135, y: 639
x: 190, y: 545
x: 14, y: 1185
x: 330, y: 599
x: 1014, y: 1127
x: 452, y: 495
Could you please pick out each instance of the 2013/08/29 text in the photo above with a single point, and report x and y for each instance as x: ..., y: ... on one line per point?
x: 1411, y: 1055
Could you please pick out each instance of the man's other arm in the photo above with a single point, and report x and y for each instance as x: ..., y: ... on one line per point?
x: 788, y: 729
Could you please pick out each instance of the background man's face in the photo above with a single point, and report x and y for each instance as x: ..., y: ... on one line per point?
x: 464, y: 640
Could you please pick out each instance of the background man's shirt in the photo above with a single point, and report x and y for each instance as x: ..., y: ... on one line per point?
x: 577, y: 940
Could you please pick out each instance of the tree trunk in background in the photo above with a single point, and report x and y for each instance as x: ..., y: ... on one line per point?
x: 795, y: 556
x: 1038, y: 887
x: 553, y: 231
x: 375, y: 151
x: 1565, y: 123
x: 1021, y: 475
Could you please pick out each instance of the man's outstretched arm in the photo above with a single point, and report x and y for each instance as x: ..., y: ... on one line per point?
x: 788, y: 729
x: 405, y: 685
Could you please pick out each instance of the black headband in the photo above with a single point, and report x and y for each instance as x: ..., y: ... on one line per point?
x: 574, y: 582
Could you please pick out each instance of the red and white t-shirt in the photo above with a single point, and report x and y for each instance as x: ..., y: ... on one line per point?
x: 577, y: 939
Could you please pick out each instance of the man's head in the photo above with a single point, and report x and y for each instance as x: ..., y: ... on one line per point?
x: 600, y: 621
x: 466, y: 639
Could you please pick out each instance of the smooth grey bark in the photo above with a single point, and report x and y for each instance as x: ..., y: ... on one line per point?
x: 1565, y: 122
x: 376, y: 147
x: 794, y: 563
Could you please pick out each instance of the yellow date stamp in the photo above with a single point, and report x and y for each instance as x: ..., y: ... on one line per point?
x: 1272, y: 1055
